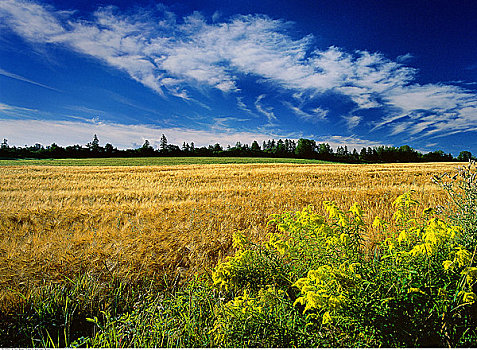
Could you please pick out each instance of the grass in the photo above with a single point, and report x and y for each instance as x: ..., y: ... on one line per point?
x: 153, y: 161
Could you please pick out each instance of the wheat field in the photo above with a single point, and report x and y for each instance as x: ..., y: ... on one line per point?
x: 134, y: 222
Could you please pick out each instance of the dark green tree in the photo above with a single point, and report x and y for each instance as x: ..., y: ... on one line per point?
x: 163, y: 143
x: 255, y: 146
x: 464, y: 156
x: 94, y: 145
x: 325, y: 151
x: 109, y: 149
x: 305, y: 148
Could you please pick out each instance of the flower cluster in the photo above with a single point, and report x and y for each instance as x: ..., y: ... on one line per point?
x: 326, y: 289
x: 420, y: 268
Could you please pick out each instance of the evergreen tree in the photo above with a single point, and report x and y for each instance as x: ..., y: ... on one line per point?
x: 163, y: 143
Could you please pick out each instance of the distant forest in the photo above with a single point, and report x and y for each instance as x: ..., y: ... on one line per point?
x: 303, y: 148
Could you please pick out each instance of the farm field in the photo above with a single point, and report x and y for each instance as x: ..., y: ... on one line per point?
x: 134, y: 222
x: 152, y: 161
x: 233, y: 255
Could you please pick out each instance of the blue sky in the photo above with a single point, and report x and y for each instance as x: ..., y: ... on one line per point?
x: 356, y: 73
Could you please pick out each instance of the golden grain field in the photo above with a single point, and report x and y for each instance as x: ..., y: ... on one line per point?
x: 58, y: 222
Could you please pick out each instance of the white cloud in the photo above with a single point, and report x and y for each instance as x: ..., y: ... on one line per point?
x: 165, y: 53
x: 216, y: 16
x: 34, y: 22
x: 5, y: 108
x: 26, y: 80
x: 430, y: 110
x: 243, y: 106
x: 15, y: 111
x: 299, y: 112
x: 64, y: 133
x: 313, y: 115
x: 266, y: 111
x: 350, y: 141
x: 404, y: 58
x: 352, y: 121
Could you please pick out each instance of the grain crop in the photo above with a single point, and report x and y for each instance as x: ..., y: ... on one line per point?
x: 58, y: 222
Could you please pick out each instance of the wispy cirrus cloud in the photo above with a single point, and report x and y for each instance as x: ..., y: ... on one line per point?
x: 267, y: 111
x: 26, y: 80
x: 172, y: 55
x: 7, y: 110
x: 311, y: 115
x: 352, y: 121
x: 163, y: 52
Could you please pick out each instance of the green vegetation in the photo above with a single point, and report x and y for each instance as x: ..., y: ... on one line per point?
x: 150, y: 161
x: 302, y: 149
x: 416, y: 288
x: 311, y: 284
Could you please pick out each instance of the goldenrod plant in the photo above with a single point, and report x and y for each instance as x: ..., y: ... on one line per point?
x: 416, y: 289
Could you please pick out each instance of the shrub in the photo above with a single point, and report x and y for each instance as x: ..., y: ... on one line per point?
x: 417, y: 288
x: 462, y: 190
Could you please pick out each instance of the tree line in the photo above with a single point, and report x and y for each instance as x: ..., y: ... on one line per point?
x: 303, y: 148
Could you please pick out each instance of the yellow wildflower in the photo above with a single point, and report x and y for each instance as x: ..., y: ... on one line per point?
x: 422, y: 249
x: 471, y: 275
x: 356, y: 210
x: 447, y: 264
x: 239, y: 240
x: 344, y: 238
x: 462, y: 257
x: 403, y: 236
x: 468, y: 297
x: 415, y: 290
x: 378, y: 222
x: 326, y: 318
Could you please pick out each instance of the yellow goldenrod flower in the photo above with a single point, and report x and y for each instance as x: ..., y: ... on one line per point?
x: 344, y: 238
x: 422, y: 249
x: 471, y: 275
x: 391, y: 244
x: 468, y: 297
x: 326, y: 318
x: 358, y: 213
x: 239, y: 240
x: 462, y: 257
x: 415, y: 290
x: 335, y: 301
x: 428, y: 211
x: 352, y: 267
x: 378, y: 222
x: 356, y: 210
x: 342, y: 220
x: 453, y: 231
x: 447, y: 264
x: 403, y: 236
x: 405, y: 200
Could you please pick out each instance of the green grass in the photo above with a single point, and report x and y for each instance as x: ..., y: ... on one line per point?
x: 148, y: 161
